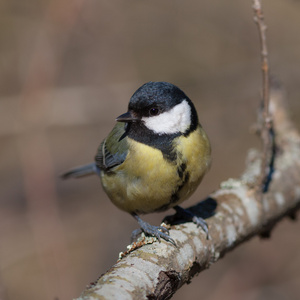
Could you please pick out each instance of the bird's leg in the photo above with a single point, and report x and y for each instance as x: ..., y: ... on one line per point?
x: 152, y: 230
x: 189, y: 216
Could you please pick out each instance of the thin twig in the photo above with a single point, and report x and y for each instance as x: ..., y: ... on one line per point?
x: 267, y: 135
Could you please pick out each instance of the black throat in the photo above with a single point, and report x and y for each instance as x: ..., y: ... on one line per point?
x: 163, y: 142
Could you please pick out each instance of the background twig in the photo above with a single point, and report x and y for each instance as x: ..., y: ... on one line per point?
x: 266, y: 130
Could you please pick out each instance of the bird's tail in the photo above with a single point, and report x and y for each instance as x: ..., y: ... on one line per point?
x: 81, y: 171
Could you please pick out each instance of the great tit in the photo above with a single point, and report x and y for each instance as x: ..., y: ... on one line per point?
x: 155, y: 156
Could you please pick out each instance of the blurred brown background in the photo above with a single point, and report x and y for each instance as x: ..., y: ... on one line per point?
x: 67, y: 69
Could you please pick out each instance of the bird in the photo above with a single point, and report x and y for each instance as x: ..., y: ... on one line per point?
x: 154, y: 158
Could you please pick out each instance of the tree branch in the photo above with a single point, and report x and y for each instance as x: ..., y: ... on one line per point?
x: 157, y: 270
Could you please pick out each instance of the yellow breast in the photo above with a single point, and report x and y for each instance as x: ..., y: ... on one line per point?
x: 146, y: 182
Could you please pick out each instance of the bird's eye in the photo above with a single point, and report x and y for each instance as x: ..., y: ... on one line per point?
x: 154, y: 111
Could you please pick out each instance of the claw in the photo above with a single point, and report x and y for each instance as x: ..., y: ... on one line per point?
x: 201, y: 223
x: 188, y: 215
x: 159, y: 232
x: 135, y: 233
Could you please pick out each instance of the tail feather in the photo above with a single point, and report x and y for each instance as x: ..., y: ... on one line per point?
x: 81, y: 171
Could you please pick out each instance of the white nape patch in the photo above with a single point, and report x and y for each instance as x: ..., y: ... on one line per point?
x: 177, y: 119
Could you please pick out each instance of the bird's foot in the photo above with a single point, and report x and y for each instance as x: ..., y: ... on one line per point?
x: 159, y: 232
x: 187, y: 215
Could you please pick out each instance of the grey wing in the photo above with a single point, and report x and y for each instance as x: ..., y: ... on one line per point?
x: 113, y: 150
x: 105, y: 160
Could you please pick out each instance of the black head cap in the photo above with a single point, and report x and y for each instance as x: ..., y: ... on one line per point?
x: 160, y: 95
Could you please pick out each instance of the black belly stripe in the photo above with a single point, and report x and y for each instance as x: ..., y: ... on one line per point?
x: 185, y: 176
x: 181, y: 169
x: 175, y: 196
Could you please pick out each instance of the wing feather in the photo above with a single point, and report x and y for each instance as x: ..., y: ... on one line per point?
x: 114, y: 149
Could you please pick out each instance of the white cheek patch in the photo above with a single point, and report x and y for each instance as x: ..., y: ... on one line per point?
x: 178, y: 119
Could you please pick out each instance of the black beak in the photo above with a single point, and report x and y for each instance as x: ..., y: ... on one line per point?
x: 128, y: 117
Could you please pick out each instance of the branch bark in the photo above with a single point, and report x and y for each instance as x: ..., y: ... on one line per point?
x: 152, y: 270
